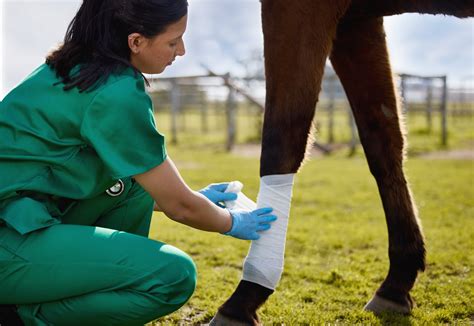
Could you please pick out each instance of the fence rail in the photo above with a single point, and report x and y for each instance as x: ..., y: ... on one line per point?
x: 428, y: 95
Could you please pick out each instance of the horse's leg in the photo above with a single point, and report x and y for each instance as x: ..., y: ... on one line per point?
x: 360, y: 59
x: 297, y: 40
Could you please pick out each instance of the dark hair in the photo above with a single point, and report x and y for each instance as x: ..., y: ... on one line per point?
x: 97, y: 37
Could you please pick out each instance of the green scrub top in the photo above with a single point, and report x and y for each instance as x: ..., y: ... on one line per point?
x: 67, y: 144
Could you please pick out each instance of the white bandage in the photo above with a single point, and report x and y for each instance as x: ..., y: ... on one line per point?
x: 264, y: 262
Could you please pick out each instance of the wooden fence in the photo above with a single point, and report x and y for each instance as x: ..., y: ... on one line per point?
x: 425, y: 94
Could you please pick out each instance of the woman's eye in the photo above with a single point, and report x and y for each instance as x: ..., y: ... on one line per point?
x: 173, y: 44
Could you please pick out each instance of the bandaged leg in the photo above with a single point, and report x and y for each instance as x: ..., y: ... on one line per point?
x: 264, y: 262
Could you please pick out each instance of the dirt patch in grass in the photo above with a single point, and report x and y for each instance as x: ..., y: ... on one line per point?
x: 456, y: 154
x: 254, y: 150
x: 247, y: 150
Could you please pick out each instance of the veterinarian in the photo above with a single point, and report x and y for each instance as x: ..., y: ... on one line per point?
x: 81, y: 168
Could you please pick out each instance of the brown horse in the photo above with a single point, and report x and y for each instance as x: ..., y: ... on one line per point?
x: 298, y: 38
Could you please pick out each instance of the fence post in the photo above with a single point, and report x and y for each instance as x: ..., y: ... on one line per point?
x: 330, y: 108
x: 354, y: 138
x: 230, y: 115
x: 174, y: 111
x: 204, y: 128
x: 462, y: 98
x: 429, y: 105
x: 182, y: 111
x: 444, y: 113
x: 403, y: 93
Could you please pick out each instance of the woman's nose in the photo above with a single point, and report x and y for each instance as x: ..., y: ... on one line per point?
x: 181, y: 50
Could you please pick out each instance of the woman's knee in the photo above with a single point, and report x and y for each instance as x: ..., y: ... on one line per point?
x: 162, y: 275
x: 170, y: 282
x: 181, y: 276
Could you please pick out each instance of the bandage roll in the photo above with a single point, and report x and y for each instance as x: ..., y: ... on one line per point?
x: 242, y: 202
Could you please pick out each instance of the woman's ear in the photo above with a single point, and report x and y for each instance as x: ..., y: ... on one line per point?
x: 135, y: 42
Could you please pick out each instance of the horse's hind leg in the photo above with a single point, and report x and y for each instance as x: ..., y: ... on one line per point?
x: 360, y: 59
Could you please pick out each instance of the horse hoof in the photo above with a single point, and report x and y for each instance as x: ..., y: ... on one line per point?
x: 221, y: 320
x: 378, y: 305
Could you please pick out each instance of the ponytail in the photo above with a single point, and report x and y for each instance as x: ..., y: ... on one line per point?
x: 97, y: 38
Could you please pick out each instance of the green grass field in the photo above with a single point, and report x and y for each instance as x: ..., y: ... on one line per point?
x: 336, y: 253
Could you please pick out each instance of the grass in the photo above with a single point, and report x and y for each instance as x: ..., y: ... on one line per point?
x: 336, y: 251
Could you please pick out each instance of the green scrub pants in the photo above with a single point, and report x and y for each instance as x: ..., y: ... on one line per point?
x: 96, y: 268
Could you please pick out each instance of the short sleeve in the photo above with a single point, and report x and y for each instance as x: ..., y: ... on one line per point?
x: 119, y: 125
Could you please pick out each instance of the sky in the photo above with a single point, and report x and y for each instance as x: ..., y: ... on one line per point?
x: 223, y: 32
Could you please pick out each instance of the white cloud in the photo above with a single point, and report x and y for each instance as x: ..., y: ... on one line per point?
x: 431, y: 45
x: 30, y: 30
x: 219, y: 33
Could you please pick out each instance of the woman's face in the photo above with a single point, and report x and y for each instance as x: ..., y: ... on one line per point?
x: 153, y: 55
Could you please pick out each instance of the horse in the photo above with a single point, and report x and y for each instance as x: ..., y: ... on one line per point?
x: 299, y: 36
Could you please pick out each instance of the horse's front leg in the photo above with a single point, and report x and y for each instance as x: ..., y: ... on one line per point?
x: 360, y: 59
x: 297, y: 40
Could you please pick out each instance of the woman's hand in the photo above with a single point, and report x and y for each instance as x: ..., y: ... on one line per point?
x: 246, y: 225
x: 215, y: 192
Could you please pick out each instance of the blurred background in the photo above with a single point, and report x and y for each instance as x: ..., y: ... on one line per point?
x: 217, y: 89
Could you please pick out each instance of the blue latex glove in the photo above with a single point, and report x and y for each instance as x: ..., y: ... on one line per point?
x: 215, y: 193
x: 246, y: 225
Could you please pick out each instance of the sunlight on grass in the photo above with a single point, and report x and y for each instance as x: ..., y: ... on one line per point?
x: 337, y: 242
